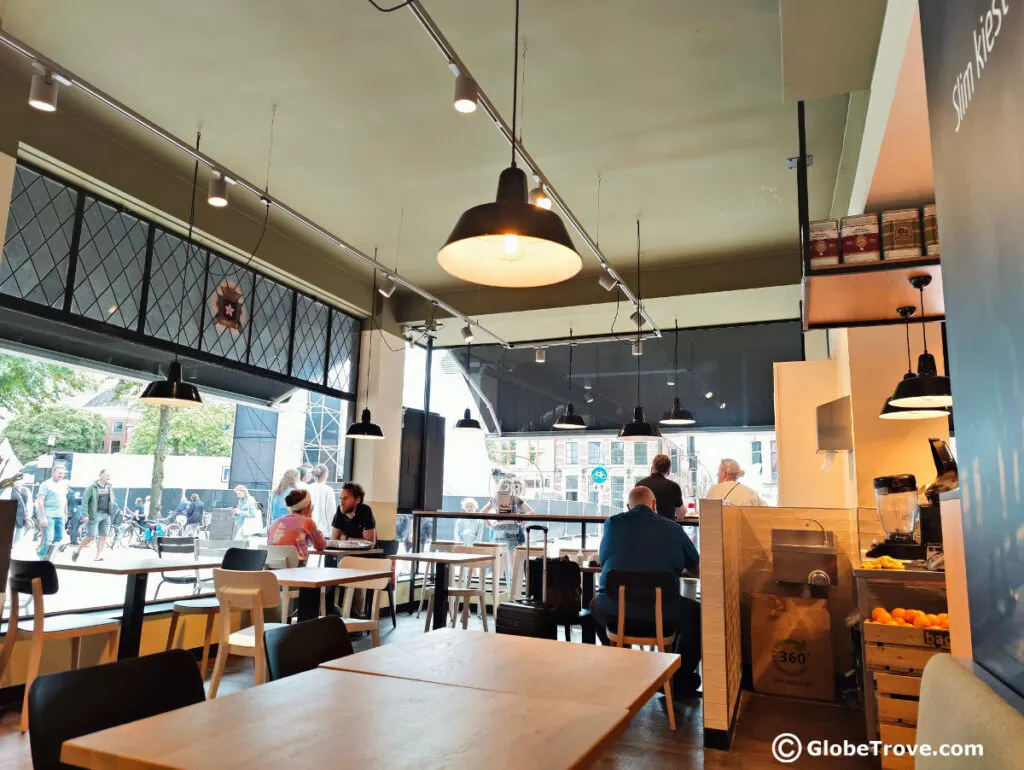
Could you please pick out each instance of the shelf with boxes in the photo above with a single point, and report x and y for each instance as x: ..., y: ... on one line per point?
x: 856, y: 271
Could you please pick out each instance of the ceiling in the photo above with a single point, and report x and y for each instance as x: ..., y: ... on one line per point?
x: 675, y: 104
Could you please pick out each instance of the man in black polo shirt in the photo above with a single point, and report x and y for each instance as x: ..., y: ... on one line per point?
x: 354, y: 518
x: 667, y: 493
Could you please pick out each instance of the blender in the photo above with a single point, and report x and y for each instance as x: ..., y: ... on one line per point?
x: 898, y: 510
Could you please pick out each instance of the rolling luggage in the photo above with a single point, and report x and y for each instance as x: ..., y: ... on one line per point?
x: 530, y: 616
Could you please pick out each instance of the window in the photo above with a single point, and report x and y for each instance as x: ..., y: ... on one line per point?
x: 618, y: 453
x: 594, y: 495
x: 640, y: 453
x: 225, y: 474
x: 618, y: 491
x: 117, y: 428
x: 755, y: 453
x: 531, y: 483
x: 572, y: 488
x: 775, y: 461
x: 115, y: 446
x: 594, y: 453
x: 674, y: 457
x: 532, y: 451
x: 508, y: 452
x: 572, y: 453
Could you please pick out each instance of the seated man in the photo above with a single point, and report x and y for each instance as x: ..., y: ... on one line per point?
x: 354, y: 519
x: 642, y: 541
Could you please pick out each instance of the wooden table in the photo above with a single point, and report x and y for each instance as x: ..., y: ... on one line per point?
x: 311, y: 580
x: 555, y: 671
x: 137, y: 571
x: 298, y: 722
x: 441, y: 560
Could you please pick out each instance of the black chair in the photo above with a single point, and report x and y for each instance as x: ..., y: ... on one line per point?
x: 390, y: 548
x: 304, y: 646
x: 244, y: 559
x: 39, y: 579
x: 71, y: 704
x: 178, y: 545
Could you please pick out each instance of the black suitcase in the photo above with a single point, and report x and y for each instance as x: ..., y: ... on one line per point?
x: 529, y: 616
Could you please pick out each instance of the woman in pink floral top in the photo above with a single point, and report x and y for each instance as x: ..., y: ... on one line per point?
x: 297, y: 527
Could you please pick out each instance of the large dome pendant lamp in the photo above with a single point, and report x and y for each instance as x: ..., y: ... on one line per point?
x: 570, y: 420
x: 893, y: 412
x: 366, y: 428
x: 467, y: 424
x: 677, y: 415
x: 511, y: 242
x: 926, y: 390
x: 639, y: 429
x: 172, y: 391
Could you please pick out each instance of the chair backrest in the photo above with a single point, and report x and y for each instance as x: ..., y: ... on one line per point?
x: 282, y: 557
x: 641, y: 586
x: 23, y: 572
x: 70, y: 704
x: 241, y: 589
x: 369, y: 563
x: 445, y: 546
x: 244, y: 559
x: 304, y: 646
x: 189, y: 545
x: 465, y: 571
x: 218, y: 547
x: 389, y: 547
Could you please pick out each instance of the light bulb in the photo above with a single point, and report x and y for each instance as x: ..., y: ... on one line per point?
x: 721, y: 405
x: 709, y: 394
x: 511, y: 245
x: 540, y: 198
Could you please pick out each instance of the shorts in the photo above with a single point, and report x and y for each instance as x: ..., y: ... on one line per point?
x: 99, y: 524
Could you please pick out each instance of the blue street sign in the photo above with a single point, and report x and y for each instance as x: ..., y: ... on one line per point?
x: 599, y: 475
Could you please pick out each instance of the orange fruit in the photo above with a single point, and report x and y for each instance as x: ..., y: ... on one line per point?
x: 933, y: 619
x: 901, y: 622
x: 921, y: 621
x: 943, y: 616
x: 878, y: 612
x: 910, y: 615
x: 898, y: 613
x: 944, y: 623
x: 892, y: 623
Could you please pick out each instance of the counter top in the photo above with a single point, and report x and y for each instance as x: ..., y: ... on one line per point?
x: 589, y: 518
x: 900, y: 575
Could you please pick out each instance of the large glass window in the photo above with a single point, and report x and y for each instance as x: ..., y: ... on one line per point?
x: 640, y: 453
x: 593, y: 452
x: 618, y: 491
x: 618, y: 453
x: 572, y: 453
x: 755, y: 453
x: 572, y: 488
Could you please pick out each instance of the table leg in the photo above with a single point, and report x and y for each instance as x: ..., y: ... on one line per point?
x: 589, y: 637
x: 309, y: 604
x: 440, y: 595
x: 415, y: 566
x: 132, y: 616
x: 331, y: 560
x: 583, y: 535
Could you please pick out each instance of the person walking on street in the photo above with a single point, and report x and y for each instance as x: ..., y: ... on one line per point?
x: 325, y: 499
x: 289, y: 481
x: 52, y: 510
x: 23, y: 496
x: 245, y: 509
x: 74, y: 516
x: 97, y: 506
x: 194, y: 516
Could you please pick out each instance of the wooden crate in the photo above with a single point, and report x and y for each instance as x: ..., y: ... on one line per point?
x: 895, y: 684
x: 902, y: 711
x: 935, y: 638
x: 898, y: 658
x: 891, y: 734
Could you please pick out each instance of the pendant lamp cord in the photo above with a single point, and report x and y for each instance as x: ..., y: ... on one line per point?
x: 924, y: 333
x: 910, y: 366
x: 188, y: 237
x: 571, y: 346
x: 373, y: 326
x: 515, y: 85
x: 639, y: 315
x: 676, y: 359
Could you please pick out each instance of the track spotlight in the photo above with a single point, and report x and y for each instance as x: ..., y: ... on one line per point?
x: 388, y: 287
x: 607, y: 282
x: 42, y: 94
x: 540, y: 198
x: 638, y: 348
x: 709, y: 394
x: 467, y: 333
x: 465, y: 94
x: 540, y: 355
x: 217, y: 195
x: 636, y: 318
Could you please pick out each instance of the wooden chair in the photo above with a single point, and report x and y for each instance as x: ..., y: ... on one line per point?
x: 463, y: 588
x: 445, y: 546
x: 40, y: 579
x: 251, y: 592
x: 286, y: 557
x: 234, y: 559
x: 643, y: 588
x: 178, y: 545
x: 390, y: 548
x: 518, y: 559
x: 376, y: 587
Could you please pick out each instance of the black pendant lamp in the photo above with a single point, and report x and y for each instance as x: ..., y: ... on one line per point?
x: 510, y: 242
x: 677, y: 415
x: 366, y: 428
x: 570, y: 420
x: 172, y: 391
x: 468, y: 424
x: 893, y: 412
x: 927, y: 389
x: 639, y: 429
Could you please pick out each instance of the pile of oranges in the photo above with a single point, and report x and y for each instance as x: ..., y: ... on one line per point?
x: 902, y: 617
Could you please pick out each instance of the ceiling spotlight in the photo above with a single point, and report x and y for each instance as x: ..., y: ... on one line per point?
x: 607, y: 282
x: 465, y: 94
x: 588, y: 397
x: 467, y: 333
x: 721, y: 405
x: 540, y: 355
x: 709, y: 394
x: 637, y: 318
x: 671, y: 383
x: 217, y: 195
x: 540, y: 198
x: 588, y: 387
x: 42, y: 94
x: 638, y: 348
x: 388, y: 287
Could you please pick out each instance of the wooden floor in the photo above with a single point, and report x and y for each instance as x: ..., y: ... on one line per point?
x: 647, y: 743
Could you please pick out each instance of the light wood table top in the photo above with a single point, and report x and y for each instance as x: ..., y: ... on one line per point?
x: 320, y: 577
x: 347, y: 551
x: 298, y: 722
x: 445, y: 557
x: 137, y: 566
x: 542, y: 668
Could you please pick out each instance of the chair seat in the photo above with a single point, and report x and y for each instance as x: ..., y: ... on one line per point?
x: 359, y: 624
x: 66, y: 624
x: 205, y: 606
x: 247, y: 636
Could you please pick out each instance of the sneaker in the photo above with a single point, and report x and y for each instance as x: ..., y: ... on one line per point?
x: 74, y: 556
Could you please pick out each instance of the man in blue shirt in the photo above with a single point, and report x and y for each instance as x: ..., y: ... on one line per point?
x: 640, y: 540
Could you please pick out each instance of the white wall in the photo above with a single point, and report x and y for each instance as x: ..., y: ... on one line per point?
x: 128, y: 470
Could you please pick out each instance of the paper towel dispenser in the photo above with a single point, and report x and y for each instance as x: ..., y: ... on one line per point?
x: 835, y: 426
